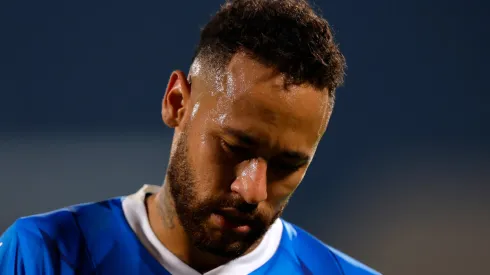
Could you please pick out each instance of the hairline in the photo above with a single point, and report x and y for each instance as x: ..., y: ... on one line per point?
x: 220, y: 68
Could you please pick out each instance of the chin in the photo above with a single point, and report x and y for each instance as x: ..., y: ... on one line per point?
x: 222, y: 244
x: 229, y: 250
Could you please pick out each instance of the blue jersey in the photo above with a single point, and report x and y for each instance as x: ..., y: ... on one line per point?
x: 95, y: 238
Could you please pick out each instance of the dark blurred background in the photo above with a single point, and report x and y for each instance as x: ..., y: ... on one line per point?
x: 400, y: 180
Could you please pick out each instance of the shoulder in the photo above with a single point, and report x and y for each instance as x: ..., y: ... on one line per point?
x: 66, y: 224
x: 315, y: 255
x: 57, y: 238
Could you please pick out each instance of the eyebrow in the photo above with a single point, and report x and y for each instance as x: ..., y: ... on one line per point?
x: 242, y: 136
x: 246, y: 139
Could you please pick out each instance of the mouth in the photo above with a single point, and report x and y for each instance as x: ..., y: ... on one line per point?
x: 230, y: 219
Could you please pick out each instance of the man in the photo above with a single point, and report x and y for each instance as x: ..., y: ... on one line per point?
x: 247, y: 119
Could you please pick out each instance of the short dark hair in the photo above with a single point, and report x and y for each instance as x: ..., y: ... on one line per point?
x: 286, y: 35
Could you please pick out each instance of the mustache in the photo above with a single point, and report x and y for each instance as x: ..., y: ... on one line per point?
x: 235, y: 202
x: 236, y: 208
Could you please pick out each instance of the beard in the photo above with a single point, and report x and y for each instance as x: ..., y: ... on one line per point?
x: 194, y: 212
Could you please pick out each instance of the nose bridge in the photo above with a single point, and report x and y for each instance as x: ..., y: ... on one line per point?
x: 257, y: 169
x: 251, y: 183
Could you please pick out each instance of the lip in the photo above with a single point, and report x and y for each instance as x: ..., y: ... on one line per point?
x: 235, y: 216
x: 231, y: 223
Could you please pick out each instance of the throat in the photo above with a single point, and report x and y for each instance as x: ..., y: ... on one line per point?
x: 164, y: 222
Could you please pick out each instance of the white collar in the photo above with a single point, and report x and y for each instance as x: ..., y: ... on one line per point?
x: 135, y: 212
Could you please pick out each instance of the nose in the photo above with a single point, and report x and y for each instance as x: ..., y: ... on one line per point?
x: 251, y: 182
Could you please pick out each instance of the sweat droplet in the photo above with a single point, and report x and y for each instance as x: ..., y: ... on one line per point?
x: 221, y: 119
x: 249, y: 175
x: 195, y: 67
x: 194, y: 110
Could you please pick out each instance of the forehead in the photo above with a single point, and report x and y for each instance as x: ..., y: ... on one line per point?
x: 251, y: 97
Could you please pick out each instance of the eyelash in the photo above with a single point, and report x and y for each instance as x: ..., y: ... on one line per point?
x: 286, y: 166
x: 231, y: 148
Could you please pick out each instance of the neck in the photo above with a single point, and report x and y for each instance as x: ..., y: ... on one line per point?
x: 166, y: 225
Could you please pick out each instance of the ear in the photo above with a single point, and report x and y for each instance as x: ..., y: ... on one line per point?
x: 176, y: 101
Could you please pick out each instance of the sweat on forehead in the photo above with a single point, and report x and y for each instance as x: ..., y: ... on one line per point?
x: 239, y: 75
x: 244, y: 79
x: 218, y: 78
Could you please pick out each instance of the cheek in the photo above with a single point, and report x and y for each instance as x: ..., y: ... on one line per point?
x: 212, y: 172
x: 278, y: 193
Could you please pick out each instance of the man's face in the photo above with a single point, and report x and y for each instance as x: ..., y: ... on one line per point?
x: 245, y: 147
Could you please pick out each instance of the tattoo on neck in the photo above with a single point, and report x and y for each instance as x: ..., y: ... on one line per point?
x: 167, y: 209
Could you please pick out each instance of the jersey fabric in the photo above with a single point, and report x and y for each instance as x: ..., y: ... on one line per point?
x: 112, y: 237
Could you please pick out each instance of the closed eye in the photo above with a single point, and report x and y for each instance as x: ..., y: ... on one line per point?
x: 287, y: 166
x: 235, y: 150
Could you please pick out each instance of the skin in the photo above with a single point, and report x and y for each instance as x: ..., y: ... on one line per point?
x: 242, y: 143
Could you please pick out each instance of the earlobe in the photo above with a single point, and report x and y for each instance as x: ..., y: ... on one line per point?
x: 176, y: 100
